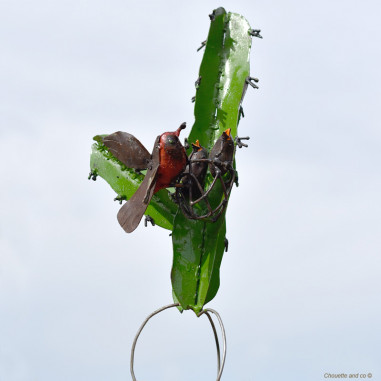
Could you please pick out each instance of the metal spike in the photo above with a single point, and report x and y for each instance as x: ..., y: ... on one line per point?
x: 249, y: 82
x: 239, y: 143
x: 202, y: 45
x: 241, y: 113
x: 236, y: 180
x: 120, y: 199
x: 198, y: 82
x: 93, y: 175
x: 193, y: 99
x: 255, y: 33
x: 147, y: 219
x: 226, y: 243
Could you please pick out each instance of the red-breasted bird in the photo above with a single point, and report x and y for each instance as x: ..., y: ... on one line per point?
x: 222, y: 153
x: 167, y: 161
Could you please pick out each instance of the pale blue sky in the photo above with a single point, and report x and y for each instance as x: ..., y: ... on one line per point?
x: 300, y: 285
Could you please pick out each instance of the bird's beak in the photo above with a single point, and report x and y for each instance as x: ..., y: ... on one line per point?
x: 196, y: 146
x: 228, y: 133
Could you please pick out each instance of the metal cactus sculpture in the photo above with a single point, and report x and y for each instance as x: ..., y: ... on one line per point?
x: 201, y: 176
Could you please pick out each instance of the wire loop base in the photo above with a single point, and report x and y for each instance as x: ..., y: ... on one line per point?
x: 207, y: 312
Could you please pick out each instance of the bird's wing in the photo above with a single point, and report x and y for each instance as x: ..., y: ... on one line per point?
x: 133, y: 210
x: 129, y: 150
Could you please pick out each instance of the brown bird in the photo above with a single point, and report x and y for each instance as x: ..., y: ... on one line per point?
x: 196, y: 169
x: 222, y: 153
x: 167, y: 161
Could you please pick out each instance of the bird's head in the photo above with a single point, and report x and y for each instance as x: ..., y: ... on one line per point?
x: 170, y: 140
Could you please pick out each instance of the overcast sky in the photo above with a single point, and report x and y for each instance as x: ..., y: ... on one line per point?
x: 300, y: 285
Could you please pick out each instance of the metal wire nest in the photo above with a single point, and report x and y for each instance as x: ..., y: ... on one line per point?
x: 190, y: 191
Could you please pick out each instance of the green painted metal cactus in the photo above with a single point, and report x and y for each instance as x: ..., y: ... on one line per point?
x: 198, y: 245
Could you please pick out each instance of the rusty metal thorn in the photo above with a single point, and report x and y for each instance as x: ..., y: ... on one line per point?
x: 202, y: 45
x: 186, y: 143
x: 147, y: 219
x: 93, y: 175
x: 239, y: 143
x: 226, y: 243
x: 198, y: 82
x: 120, y: 199
x: 241, y: 111
x: 255, y: 33
x: 249, y: 82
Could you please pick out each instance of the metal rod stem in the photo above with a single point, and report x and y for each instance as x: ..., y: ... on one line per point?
x: 223, y: 339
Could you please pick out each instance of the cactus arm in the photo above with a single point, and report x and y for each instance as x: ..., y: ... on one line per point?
x: 204, y: 127
x: 236, y: 70
x: 223, y: 71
